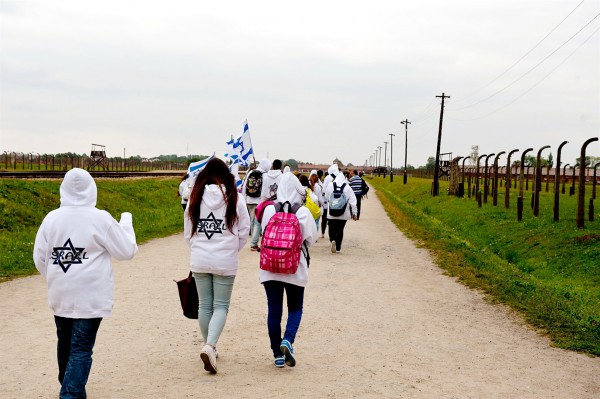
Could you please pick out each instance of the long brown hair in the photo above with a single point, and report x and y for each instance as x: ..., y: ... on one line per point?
x: 215, y: 172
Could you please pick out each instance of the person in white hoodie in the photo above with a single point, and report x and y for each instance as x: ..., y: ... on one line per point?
x: 317, y: 188
x: 216, y: 226
x: 72, y: 251
x: 275, y: 284
x: 337, y: 223
x: 332, y: 172
x: 270, y: 184
x: 251, y: 202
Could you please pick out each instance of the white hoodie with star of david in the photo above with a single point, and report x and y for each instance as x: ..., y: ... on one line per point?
x: 214, y: 249
x: 73, y: 249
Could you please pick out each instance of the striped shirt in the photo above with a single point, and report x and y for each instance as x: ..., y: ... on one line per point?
x: 356, y: 183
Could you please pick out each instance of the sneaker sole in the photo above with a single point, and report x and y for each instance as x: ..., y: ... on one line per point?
x: 333, y: 247
x: 208, y: 366
x: 289, y: 357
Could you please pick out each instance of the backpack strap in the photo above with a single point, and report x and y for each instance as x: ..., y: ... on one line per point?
x: 280, y: 207
x: 342, y: 188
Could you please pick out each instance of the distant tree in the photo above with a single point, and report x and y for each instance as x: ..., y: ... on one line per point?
x: 530, y: 160
x: 590, y: 160
x: 430, y: 165
x: 474, y: 154
x: 293, y: 164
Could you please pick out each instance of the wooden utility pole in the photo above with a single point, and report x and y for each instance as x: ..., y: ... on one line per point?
x: 436, y: 184
x: 391, y: 164
x: 405, y: 123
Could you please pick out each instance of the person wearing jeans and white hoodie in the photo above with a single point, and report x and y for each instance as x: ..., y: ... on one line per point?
x: 275, y: 284
x: 337, y: 223
x: 72, y: 251
x: 216, y: 227
x: 251, y: 202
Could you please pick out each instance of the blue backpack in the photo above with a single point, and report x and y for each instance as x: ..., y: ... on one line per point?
x: 337, y: 201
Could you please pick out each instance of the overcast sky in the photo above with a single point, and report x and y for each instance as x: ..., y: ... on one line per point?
x: 315, y: 79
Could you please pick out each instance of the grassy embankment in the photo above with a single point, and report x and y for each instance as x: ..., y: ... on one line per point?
x: 548, y: 271
x: 154, y: 204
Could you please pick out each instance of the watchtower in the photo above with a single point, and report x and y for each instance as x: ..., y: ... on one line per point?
x: 445, y: 164
x: 98, y: 157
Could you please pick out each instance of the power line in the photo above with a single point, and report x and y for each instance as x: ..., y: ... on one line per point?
x: 526, y: 54
x: 536, y: 84
x: 530, y: 70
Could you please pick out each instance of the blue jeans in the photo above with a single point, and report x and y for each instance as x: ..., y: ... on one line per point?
x: 255, y: 232
x: 76, y: 338
x: 214, y: 295
x: 295, y: 300
x: 252, y: 213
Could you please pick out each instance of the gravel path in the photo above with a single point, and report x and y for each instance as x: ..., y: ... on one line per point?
x: 381, y: 320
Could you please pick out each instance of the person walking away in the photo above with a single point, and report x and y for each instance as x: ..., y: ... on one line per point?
x: 72, y: 251
x: 291, y: 193
x: 184, y: 191
x: 216, y: 226
x: 357, y: 184
x: 317, y: 188
x: 268, y: 193
x: 339, y: 191
x: 311, y: 200
x: 252, y: 189
x: 332, y: 172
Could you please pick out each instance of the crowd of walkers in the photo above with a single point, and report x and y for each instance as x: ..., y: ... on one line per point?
x: 75, y: 243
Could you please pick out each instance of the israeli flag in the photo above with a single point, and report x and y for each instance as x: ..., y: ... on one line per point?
x: 196, y: 167
x: 240, y: 149
x: 234, y: 169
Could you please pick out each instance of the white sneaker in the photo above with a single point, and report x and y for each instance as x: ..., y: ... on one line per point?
x: 332, y: 247
x: 209, y: 358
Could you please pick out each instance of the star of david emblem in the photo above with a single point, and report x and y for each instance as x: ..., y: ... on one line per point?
x: 210, y: 226
x: 67, y: 255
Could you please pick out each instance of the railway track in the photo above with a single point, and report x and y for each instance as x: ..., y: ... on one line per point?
x: 96, y: 173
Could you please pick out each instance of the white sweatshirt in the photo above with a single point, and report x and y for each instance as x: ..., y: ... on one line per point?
x: 214, y: 249
x: 350, y: 197
x: 291, y: 190
x: 73, y: 249
x: 331, y: 172
x: 270, y: 184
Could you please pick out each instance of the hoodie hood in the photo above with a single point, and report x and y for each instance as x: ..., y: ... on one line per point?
x: 264, y: 165
x: 273, y: 173
x: 333, y: 170
x: 78, y: 189
x: 213, y: 197
x: 339, y: 179
x: 290, y: 189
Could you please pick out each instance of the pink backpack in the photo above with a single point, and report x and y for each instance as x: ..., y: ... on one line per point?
x: 281, y: 243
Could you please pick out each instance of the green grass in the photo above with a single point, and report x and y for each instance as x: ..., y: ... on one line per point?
x: 153, y: 202
x: 548, y: 271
